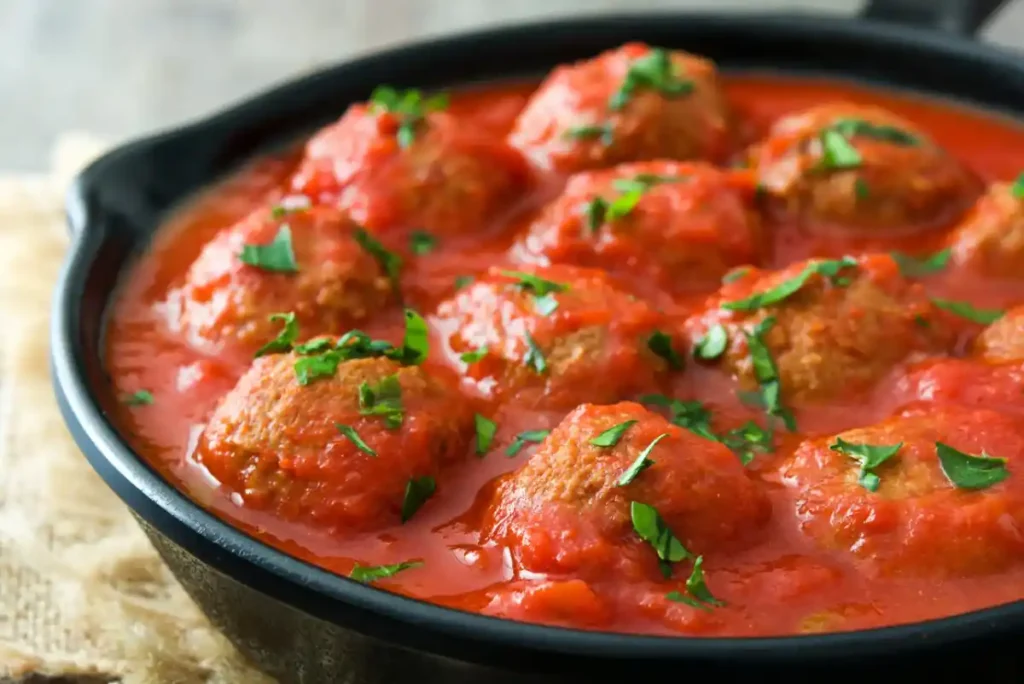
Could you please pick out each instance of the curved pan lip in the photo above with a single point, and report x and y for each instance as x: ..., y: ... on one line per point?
x: 411, y: 622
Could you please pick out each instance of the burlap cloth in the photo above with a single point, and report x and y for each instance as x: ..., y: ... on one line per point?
x: 83, y: 597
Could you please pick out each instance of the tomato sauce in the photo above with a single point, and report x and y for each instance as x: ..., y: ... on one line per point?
x: 784, y: 583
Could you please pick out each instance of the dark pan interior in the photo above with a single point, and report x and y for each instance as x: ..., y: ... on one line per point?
x: 120, y: 200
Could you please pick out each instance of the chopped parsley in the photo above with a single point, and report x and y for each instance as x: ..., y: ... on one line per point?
x: 534, y: 357
x: 661, y: 345
x: 735, y: 274
x: 1017, y: 189
x: 850, y: 128
x: 383, y: 399
x: 485, y: 431
x: 643, y: 462
x: 289, y: 205
x: 915, y: 267
x: 473, y: 356
x: 417, y: 491
x: 829, y: 268
x: 612, y: 435
x: 138, y: 398
x: 691, y: 415
x: 697, y: 593
x: 653, y: 71
x: 277, y: 257
x: 650, y: 526
x: 390, y: 262
x: 870, y: 457
x: 604, y: 132
x: 594, y: 213
x: 421, y: 242
x: 462, y: 281
x: 970, y: 472
x: 966, y: 310
x: 861, y: 189
x: 535, y: 284
x: 524, y: 438
x: 323, y: 365
x: 354, y: 437
x: 836, y: 151
x: 285, y: 339
x: 767, y: 374
x: 748, y: 440
x: 371, y: 573
x: 712, y: 344
x: 545, y: 305
x: 415, y: 342
x: 409, y: 106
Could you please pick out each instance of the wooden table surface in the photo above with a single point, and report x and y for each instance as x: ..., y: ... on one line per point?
x: 120, y: 68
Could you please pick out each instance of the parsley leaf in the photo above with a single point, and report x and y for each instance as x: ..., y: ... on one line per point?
x: 594, y: 213
x: 462, y: 281
x: 612, y: 435
x: 767, y: 374
x: 324, y: 365
x: 289, y: 205
x: 138, y: 398
x: 850, y: 128
x: 390, y: 262
x: 277, y: 257
x: 970, y: 472
x: 735, y: 274
x: 285, y: 339
x: 421, y: 242
x: 915, y: 267
x: 409, y: 106
x: 642, y: 462
x: 545, y: 305
x: 354, y: 437
x: 415, y: 343
x: 535, y: 284
x: 383, y: 399
x: 650, y: 526
x: 475, y: 355
x: 417, y: 491
x: 870, y: 457
x: 861, y: 189
x: 712, y: 344
x: 485, y: 431
x: 654, y: 71
x: 748, y: 440
x: 966, y: 310
x: 1017, y: 189
x: 661, y: 345
x: 829, y: 268
x: 530, y: 436
x: 605, y: 132
x: 691, y: 415
x: 371, y: 573
x: 697, y: 593
x: 836, y: 151
x: 534, y: 357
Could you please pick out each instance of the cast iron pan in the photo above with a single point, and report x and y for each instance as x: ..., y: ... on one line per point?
x: 306, y: 625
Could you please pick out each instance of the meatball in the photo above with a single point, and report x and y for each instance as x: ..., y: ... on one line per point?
x: 689, y: 225
x: 330, y: 283
x: 845, y: 326
x: 990, y: 240
x: 567, y: 510
x: 629, y: 104
x: 860, y: 169
x: 1003, y: 340
x: 449, y: 179
x: 277, y: 444
x: 553, y: 337
x: 916, y: 521
x: 964, y: 382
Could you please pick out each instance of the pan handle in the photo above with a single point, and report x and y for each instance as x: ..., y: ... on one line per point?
x: 963, y: 17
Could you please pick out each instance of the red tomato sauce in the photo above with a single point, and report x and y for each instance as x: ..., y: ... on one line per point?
x: 784, y: 583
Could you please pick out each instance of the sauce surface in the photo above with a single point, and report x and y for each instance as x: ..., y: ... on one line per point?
x: 781, y: 582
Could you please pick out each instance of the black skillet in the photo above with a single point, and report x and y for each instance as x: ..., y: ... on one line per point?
x: 307, y: 625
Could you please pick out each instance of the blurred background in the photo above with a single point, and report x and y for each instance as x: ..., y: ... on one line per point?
x: 119, y: 68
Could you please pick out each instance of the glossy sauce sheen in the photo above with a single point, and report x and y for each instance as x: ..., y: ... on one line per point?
x: 782, y: 584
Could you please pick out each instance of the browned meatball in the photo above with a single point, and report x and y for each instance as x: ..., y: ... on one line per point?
x: 580, y: 339
x: 1004, y: 339
x: 847, y: 325
x: 294, y: 449
x: 569, y: 508
x: 323, y: 276
x: 629, y: 104
x: 860, y: 169
x: 990, y: 240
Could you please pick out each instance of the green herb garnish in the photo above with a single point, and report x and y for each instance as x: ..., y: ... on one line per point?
x: 697, y: 593
x: 462, y: 281
x: 612, y: 435
x: 712, y: 344
x: 870, y: 457
x: 285, y: 339
x: 383, y: 399
x: 354, y: 437
x: 474, y: 356
x: 277, y: 257
x: 523, y: 438
x: 650, y: 526
x: 654, y: 71
x: 836, y: 151
x: 371, y: 573
x: 828, y: 268
x: 594, y: 213
x: 1017, y: 189
x: 691, y: 415
x: 485, y: 431
x: 389, y: 261
x: 915, y: 267
x: 643, y: 462
x: 748, y: 440
x: 970, y: 472
x: 861, y: 189
x: 605, y: 132
x: 534, y: 357
x: 415, y: 343
x: 767, y: 374
x: 138, y: 398
x: 735, y: 274
x: 535, y: 284
x: 422, y: 242
x: 966, y: 310
x: 409, y: 106
x: 661, y: 345
x: 850, y: 128
x: 417, y: 491
x: 313, y: 367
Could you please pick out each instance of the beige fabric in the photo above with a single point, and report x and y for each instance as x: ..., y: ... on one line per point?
x: 81, y: 591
